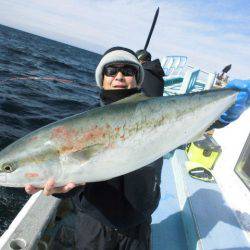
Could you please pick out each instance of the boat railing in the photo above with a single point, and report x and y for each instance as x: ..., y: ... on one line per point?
x: 173, y: 65
x: 178, y: 73
x: 204, y: 77
x: 28, y: 226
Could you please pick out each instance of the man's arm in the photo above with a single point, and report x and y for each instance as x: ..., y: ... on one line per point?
x: 241, y: 104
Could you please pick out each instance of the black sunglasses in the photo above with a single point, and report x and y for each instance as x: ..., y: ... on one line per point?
x: 126, y: 70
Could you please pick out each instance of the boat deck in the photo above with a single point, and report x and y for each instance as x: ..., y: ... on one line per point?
x: 193, y: 214
x: 167, y: 227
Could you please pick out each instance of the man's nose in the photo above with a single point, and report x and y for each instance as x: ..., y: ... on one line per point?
x: 119, y: 76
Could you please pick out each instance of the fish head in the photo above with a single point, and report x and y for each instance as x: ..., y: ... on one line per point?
x: 33, y: 166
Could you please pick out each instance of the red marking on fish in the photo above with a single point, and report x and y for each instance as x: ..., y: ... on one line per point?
x: 34, y: 138
x: 117, y: 129
x: 122, y: 137
x: 88, y: 136
x: 62, y: 132
x: 68, y: 138
x: 110, y: 146
x: 31, y: 175
x: 94, y: 134
x: 59, y: 132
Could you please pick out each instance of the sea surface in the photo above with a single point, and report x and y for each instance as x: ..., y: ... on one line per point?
x: 41, y: 81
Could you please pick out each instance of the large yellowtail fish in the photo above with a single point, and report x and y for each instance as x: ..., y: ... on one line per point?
x: 110, y: 141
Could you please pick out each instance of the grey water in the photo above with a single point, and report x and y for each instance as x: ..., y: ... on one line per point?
x: 41, y: 81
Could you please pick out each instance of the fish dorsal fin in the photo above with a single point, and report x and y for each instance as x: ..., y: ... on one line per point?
x: 86, y: 153
x: 133, y: 98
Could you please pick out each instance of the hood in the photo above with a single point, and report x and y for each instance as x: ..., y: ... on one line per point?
x: 154, y: 67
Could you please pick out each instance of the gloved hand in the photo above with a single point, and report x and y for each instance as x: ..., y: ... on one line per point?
x: 242, y: 101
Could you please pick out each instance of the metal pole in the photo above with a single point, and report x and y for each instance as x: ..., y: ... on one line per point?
x: 152, y: 28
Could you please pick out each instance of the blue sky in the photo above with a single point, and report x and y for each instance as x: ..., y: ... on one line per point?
x: 211, y: 33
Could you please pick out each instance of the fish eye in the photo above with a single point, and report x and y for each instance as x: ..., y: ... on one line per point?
x: 8, y: 167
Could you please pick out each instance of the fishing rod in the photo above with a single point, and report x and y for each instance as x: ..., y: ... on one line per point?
x: 152, y: 28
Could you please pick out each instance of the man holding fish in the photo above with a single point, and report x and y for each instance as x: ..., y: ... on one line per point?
x: 115, y: 214
x: 107, y: 147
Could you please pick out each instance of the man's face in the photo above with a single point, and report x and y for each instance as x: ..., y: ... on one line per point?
x: 119, y: 76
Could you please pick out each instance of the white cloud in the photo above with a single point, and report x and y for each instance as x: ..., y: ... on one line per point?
x: 211, y: 35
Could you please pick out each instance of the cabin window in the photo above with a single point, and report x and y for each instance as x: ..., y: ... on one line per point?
x: 242, y: 167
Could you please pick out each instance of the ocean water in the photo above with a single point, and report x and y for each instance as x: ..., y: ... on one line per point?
x: 41, y: 81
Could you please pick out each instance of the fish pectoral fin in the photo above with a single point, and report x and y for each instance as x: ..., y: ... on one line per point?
x: 86, y: 153
x: 133, y: 98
